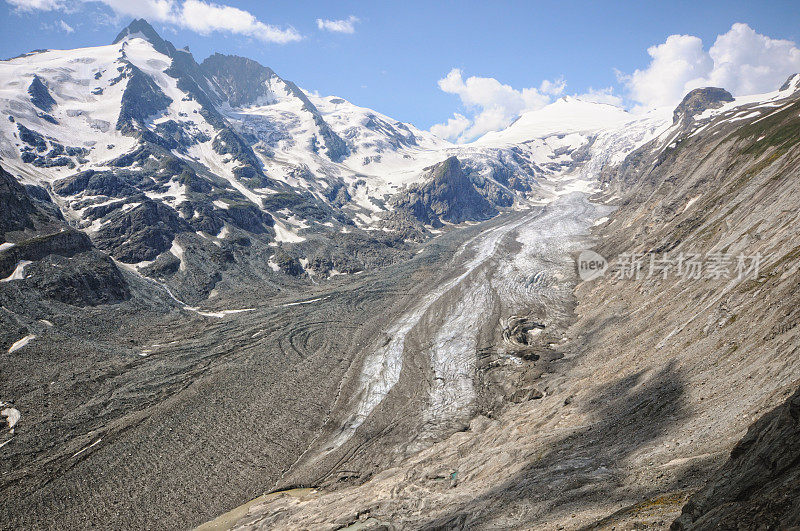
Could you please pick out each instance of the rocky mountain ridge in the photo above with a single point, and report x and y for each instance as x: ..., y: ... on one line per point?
x: 225, y: 151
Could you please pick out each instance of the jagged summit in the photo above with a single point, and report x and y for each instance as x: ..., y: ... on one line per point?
x: 447, y: 195
x: 792, y: 83
x: 140, y: 27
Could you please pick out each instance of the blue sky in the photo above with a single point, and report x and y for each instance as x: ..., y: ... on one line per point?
x: 398, y: 52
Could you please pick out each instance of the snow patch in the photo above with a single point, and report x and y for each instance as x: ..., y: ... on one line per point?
x: 222, y: 313
x: 283, y: 234
x: 177, y: 251
x: 21, y: 343
x: 19, y: 271
x: 79, y: 452
x: 11, y: 414
x: 691, y: 202
x: 306, y: 302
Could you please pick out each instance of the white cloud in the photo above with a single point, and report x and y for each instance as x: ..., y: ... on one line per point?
x: 64, y: 26
x: 741, y: 61
x: 338, y: 26
x: 605, y: 95
x: 554, y: 88
x: 60, y: 25
x: 152, y: 10
x: 493, y: 105
x: 204, y: 17
x: 36, y: 5
x: 196, y: 15
x: 453, y: 127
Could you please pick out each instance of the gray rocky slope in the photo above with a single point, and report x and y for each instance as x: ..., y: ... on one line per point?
x: 189, y: 265
x: 759, y: 485
x: 217, y: 285
x: 655, y: 381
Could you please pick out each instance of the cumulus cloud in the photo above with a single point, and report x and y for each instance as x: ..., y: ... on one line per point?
x: 347, y: 25
x: 152, y: 10
x: 28, y: 6
x: 196, y: 15
x: 36, y: 5
x: 554, y: 88
x: 204, y: 17
x: 741, y: 61
x: 453, y: 127
x: 605, y: 95
x: 494, y: 105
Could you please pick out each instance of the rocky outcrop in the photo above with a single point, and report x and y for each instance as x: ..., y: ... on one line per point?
x: 59, y: 263
x: 15, y: 205
x: 107, y: 183
x: 32, y: 138
x: 63, y: 243
x: 791, y: 81
x: 242, y: 81
x: 141, y: 100
x: 447, y: 194
x: 40, y: 96
x: 142, y: 28
x: 140, y: 233
x: 759, y: 485
x: 698, y: 101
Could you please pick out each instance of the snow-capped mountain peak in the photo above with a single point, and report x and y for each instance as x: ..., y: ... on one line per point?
x: 568, y: 114
x: 139, y: 144
x: 142, y: 29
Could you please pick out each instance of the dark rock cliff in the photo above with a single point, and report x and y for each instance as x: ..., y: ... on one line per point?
x: 759, y: 486
x: 60, y: 263
x: 446, y: 195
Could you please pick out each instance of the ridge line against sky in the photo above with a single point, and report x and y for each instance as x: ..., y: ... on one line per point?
x: 458, y: 70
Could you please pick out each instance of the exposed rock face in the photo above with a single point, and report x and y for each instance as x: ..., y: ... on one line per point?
x: 40, y: 96
x: 790, y: 82
x: 59, y: 262
x: 397, y: 135
x: 245, y: 82
x: 288, y: 264
x: 141, y: 233
x: 759, y: 485
x: 242, y: 81
x: 16, y: 206
x: 446, y: 195
x: 32, y: 138
x: 336, y: 147
x: 698, y: 101
x: 141, y: 100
